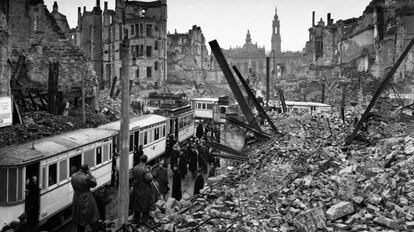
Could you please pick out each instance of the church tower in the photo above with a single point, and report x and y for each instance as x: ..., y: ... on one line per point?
x: 276, y: 39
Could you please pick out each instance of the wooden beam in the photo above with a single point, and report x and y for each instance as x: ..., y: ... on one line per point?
x: 256, y: 103
x: 377, y: 94
x: 228, y: 74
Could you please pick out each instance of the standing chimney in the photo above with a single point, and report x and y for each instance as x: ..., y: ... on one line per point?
x: 105, y: 5
x: 329, y: 19
x: 313, y: 18
x: 98, y: 3
x: 84, y: 9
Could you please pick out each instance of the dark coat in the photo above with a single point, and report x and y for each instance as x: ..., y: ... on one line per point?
x: 85, y: 210
x: 199, y: 131
x: 174, y: 157
x: 182, y: 164
x: 198, y: 184
x: 33, y: 203
x: 176, y: 186
x: 161, y: 175
x: 142, y: 194
x: 193, y: 158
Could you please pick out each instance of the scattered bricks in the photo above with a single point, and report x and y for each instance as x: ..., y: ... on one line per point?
x: 403, y: 201
x: 341, y: 226
x: 311, y: 220
x: 386, y: 222
x: 359, y: 228
x: 410, y: 225
x: 358, y: 199
x: 339, y: 210
x: 372, y: 208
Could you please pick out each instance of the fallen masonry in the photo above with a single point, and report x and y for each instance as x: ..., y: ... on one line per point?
x: 305, y: 180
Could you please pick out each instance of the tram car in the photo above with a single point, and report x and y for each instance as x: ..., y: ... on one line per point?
x: 181, y: 120
x: 148, y: 130
x: 52, y: 160
x: 154, y: 100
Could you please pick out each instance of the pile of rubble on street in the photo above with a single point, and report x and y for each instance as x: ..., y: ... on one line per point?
x: 306, y: 180
x: 41, y: 124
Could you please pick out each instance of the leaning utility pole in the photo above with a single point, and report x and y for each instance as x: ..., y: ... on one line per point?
x: 123, y: 193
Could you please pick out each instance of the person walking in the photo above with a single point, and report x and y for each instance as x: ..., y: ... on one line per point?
x: 138, y: 152
x: 199, y: 183
x: 33, y: 202
x: 161, y: 175
x: 142, y: 193
x: 193, y: 159
x: 175, y: 154
x: 182, y: 163
x: 85, y: 210
x: 176, y: 192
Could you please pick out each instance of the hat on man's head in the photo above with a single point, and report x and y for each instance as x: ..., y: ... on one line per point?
x: 85, y: 167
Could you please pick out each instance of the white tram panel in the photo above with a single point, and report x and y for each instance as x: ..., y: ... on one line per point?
x: 204, y: 107
x: 144, y: 127
x: 50, y: 159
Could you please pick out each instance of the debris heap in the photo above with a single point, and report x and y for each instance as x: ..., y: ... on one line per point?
x: 306, y: 181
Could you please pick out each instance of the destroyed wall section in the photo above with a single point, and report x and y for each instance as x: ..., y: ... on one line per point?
x: 4, y: 53
x: 34, y: 33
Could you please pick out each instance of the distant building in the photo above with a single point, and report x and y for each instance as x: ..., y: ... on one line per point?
x: 188, y: 57
x: 145, y: 25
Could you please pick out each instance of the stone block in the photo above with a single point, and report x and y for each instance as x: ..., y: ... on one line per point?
x: 339, y: 210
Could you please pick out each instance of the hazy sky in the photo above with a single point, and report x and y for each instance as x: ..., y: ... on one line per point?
x: 228, y: 20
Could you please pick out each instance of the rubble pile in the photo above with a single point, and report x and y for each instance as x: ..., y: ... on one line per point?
x: 112, y: 107
x: 306, y: 181
x: 41, y: 124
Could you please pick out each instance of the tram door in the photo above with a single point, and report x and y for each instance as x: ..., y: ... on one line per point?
x: 176, y: 130
x: 32, y: 197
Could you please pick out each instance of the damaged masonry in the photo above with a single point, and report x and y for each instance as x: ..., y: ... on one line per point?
x: 111, y: 122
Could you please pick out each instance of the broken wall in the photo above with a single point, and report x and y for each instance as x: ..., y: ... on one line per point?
x: 4, y: 55
x: 35, y: 34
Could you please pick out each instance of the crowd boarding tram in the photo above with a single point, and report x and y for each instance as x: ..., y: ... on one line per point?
x: 181, y: 120
x: 52, y: 160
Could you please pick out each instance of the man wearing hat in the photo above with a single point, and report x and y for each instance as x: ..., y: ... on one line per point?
x: 85, y: 210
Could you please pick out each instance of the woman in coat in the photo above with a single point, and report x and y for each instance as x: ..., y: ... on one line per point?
x: 85, y: 210
x: 182, y: 163
x: 176, y: 186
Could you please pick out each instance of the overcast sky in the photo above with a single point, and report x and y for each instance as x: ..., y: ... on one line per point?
x: 228, y: 20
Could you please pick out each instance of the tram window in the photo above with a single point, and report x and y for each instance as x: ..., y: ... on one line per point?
x: 157, y: 133
x: 89, y: 158
x: 105, y: 153
x: 20, y: 184
x: 145, y: 137
x: 98, y: 155
x: 43, y: 177
x: 3, y: 185
x: 209, y: 106
x: 63, y: 170
x: 52, y: 174
x: 204, y: 106
x: 110, y: 151
x: 131, y: 142
x: 163, y: 131
x: 151, y: 136
x: 12, y: 184
x: 75, y: 163
x: 141, y: 138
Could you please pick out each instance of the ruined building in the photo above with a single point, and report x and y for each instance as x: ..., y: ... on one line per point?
x: 100, y: 33
x: 187, y: 54
x: 37, y: 37
x: 359, y: 51
x: 4, y: 53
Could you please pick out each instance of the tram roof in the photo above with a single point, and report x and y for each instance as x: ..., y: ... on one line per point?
x: 50, y: 146
x: 208, y: 99
x: 317, y: 104
x: 136, y: 122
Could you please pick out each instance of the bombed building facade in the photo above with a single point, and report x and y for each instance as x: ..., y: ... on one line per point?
x: 100, y: 33
x: 358, y: 52
x: 187, y: 54
x: 35, y: 38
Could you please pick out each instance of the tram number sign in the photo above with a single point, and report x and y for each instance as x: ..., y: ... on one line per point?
x: 5, y: 111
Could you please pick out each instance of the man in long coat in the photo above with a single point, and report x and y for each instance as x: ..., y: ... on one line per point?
x: 176, y: 185
x: 192, y: 162
x: 142, y: 193
x: 161, y: 175
x: 85, y: 210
